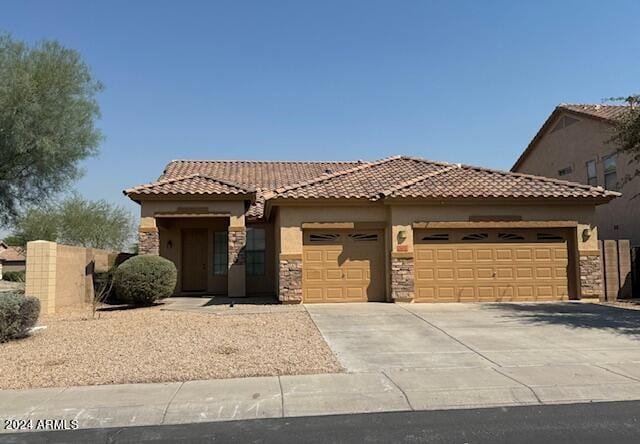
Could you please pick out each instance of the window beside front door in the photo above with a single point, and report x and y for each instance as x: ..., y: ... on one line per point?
x: 255, y: 251
x: 220, y: 253
x: 592, y: 173
x: 610, y: 174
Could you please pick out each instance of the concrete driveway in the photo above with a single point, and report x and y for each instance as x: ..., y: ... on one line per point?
x: 381, y: 337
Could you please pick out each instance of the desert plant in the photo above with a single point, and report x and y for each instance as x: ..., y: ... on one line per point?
x: 142, y: 280
x: 13, y: 276
x: 18, y: 314
x: 102, y: 289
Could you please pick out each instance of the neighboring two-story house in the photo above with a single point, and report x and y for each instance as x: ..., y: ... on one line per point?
x: 574, y: 145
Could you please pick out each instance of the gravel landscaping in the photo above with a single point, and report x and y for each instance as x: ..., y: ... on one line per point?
x: 153, y: 345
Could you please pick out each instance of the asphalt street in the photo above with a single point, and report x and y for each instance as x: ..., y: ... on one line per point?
x: 614, y: 422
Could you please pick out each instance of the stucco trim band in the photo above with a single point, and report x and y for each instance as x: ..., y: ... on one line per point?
x: 498, y: 224
x: 170, y: 215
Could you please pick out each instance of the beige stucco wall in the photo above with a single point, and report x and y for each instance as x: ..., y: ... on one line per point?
x: 61, y: 275
x: 292, y: 218
x: 574, y: 146
x: 403, y: 216
x: 233, y: 209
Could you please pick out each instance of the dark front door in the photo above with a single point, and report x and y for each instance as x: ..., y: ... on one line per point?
x: 194, y: 259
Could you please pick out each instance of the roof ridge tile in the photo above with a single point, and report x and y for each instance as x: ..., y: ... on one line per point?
x: 412, y: 181
x: 270, y: 194
x: 182, y: 178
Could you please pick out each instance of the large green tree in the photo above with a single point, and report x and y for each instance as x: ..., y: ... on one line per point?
x: 48, y: 114
x: 77, y: 221
x: 628, y: 133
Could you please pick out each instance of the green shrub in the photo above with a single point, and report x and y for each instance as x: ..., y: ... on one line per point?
x: 13, y: 276
x: 18, y: 313
x: 142, y: 280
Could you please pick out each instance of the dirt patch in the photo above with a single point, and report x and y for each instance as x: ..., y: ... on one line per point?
x: 151, y: 345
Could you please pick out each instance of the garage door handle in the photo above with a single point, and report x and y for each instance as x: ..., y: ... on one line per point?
x: 494, y: 274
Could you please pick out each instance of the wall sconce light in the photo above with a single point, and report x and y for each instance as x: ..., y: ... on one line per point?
x: 586, y: 234
x: 402, y: 236
x: 169, y: 245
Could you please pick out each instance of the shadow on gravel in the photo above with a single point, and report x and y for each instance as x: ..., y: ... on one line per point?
x: 574, y: 315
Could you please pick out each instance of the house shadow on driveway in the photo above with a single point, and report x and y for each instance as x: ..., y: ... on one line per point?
x: 574, y: 315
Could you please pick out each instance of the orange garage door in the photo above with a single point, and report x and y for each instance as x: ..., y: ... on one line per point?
x: 490, y: 265
x: 343, y: 266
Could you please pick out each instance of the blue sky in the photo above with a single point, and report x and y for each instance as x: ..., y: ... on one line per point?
x: 459, y: 81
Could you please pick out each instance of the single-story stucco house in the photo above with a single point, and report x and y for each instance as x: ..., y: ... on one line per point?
x: 11, y: 258
x: 396, y: 229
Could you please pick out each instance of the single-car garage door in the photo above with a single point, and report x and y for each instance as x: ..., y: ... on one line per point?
x: 490, y: 265
x: 343, y: 266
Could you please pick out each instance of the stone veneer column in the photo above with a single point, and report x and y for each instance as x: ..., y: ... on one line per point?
x: 290, y: 279
x: 402, y: 277
x: 237, y: 243
x: 590, y: 275
x: 149, y: 241
x: 236, y: 284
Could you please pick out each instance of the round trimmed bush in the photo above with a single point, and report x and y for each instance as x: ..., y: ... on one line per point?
x: 18, y: 314
x: 142, y: 280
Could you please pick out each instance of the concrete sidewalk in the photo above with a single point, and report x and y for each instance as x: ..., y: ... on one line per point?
x: 288, y: 396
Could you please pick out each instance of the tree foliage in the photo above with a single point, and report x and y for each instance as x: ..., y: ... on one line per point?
x: 627, y: 135
x: 48, y: 112
x: 77, y: 221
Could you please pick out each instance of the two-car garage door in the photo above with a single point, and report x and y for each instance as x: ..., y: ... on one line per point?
x: 490, y: 265
x: 456, y: 265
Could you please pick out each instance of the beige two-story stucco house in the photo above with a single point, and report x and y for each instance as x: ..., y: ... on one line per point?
x: 396, y: 229
x: 574, y: 144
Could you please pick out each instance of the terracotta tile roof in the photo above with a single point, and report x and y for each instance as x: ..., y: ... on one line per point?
x: 393, y: 177
x: 605, y: 113
x: 12, y: 254
x: 253, y: 173
x: 474, y: 182
x: 250, y: 174
x: 193, y: 184
x: 420, y: 178
x: 363, y: 181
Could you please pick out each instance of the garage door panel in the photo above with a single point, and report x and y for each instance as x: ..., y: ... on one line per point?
x: 516, y: 266
x: 355, y: 274
x: 426, y: 255
x: 484, y: 255
x: 444, y: 255
x: 314, y: 256
x: 425, y: 273
x: 333, y: 274
x: 524, y: 273
x: 466, y: 274
x: 312, y: 274
x: 504, y: 273
x: 464, y: 255
x: 445, y: 273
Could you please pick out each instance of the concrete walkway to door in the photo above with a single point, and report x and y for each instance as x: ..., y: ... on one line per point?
x: 380, y: 337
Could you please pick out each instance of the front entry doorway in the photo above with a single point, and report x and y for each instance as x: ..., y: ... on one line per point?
x: 194, y: 259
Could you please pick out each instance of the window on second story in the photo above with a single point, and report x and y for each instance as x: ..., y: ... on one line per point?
x: 610, y: 174
x: 592, y: 173
x: 565, y: 171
